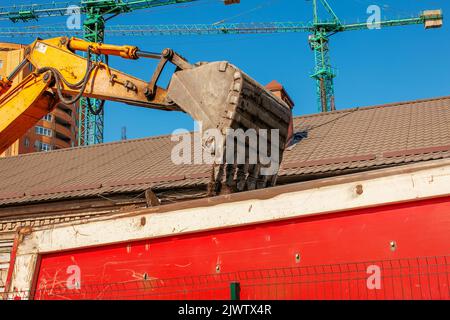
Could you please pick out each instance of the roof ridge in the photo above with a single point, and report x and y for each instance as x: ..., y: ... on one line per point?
x: 393, y: 104
x: 90, y: 146
x: 363, y: 108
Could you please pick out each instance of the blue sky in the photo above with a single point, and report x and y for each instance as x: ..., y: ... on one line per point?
x: 374, y: 66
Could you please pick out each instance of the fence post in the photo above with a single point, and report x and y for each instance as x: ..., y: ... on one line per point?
x: 235, y: 290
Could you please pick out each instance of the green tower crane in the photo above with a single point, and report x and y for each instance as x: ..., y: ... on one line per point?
x: 320, y: 29
x: 323, y: 72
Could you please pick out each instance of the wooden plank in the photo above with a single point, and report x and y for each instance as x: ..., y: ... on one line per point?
x: 5, y: 247
x: 4, y: 266
x: 3, y: 275
x: 6, y: 243
x: 5, y: 257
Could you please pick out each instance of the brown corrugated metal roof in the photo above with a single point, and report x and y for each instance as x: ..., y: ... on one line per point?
x: 327, y: 144
x: 364, y: 138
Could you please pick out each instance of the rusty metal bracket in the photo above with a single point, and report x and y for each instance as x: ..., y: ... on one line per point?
x: 151, y: 198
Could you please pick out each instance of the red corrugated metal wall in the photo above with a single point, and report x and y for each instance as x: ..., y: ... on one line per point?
x: 332, y: 256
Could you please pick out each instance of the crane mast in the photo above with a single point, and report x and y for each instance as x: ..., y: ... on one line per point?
x: 90, y: 111
x: 319, y: 39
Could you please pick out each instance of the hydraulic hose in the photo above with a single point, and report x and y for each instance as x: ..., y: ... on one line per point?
x: 81, y: 85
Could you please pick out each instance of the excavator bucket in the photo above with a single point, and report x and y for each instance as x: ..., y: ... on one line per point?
x: 245, y: 126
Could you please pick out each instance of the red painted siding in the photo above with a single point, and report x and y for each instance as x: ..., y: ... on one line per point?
x: 332, y: 249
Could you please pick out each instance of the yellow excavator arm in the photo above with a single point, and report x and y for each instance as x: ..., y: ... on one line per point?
x: 217, y: 94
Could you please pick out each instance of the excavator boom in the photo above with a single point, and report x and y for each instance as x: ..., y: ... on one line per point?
x: 218, y: 95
